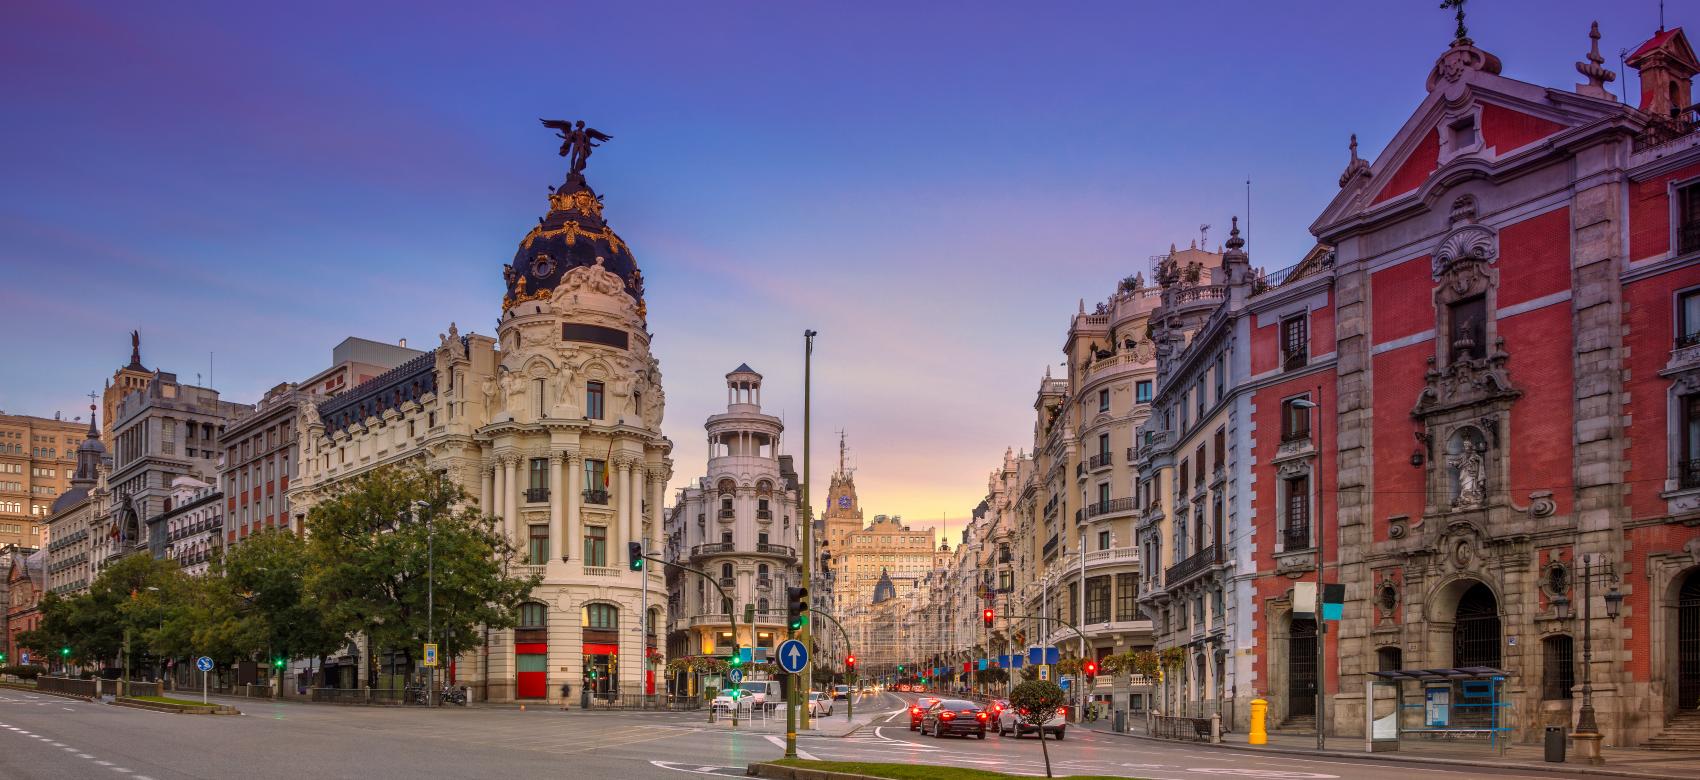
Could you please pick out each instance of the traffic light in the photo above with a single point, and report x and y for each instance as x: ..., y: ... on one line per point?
x: 278, y: 662
x: 900, y: 668
x: 797, y: 604
x: 737, y: 658
x: 636, y: 550
x: 65, y: 652
x: 849, y: 662
x: 3, y: 658
x: 1091, y: 669
x: 989, y: 615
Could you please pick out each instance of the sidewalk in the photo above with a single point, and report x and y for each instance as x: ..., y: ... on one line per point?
x: 1619, y: 762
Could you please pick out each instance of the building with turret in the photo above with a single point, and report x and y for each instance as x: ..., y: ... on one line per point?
x: 554, y: 427
x: 76, y: 517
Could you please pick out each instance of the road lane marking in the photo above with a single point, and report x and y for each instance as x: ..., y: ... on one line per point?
x: 800, y: 753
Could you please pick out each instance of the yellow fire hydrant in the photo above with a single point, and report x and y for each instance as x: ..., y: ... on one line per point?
x: 1259, y: 712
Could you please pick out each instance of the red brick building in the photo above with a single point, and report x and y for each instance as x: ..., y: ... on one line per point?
x: 1516, y: 305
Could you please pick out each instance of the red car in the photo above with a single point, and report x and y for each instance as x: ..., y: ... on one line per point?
x: 918, y: 709
x: 954, y: 716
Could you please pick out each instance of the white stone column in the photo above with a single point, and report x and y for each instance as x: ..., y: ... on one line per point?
x: 573, y: 533
x: 557, y: 534
x: 635, y: 513
x: 488, y: 489
x: 510, y: 495
x: 622, y: 520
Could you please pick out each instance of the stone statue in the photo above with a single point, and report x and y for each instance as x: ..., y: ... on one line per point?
x: 567, y: 383
x: 1469, y: 467
x: 576, y: 141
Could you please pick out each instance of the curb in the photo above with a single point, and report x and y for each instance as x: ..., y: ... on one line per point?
x: 777, y: 772
x: 1581, y: 769
x: 214, y: 709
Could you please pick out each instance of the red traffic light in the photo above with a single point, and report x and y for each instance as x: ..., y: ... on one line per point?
x: 1091, y: 668
x: 989, y: 615
x: 850, y: 661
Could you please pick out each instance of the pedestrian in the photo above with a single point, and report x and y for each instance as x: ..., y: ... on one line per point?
x: 566, y: 694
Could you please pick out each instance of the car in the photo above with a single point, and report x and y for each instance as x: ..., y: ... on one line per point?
x: 840, y: 691
x: 917, y: 709
x: 954, y: 716
x: 758, y: 693
x: 1009, y: 722
x: 995, y: 708
x: 820, y: 705
x: 901, y: 688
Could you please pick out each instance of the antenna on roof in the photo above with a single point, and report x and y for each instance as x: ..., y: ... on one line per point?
x: 1248, y: 213
x: 1204, y: 235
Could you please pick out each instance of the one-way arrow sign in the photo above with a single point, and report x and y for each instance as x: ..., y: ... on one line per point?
x: 793, y: 656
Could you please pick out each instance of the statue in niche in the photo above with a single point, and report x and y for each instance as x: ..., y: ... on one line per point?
x: 1466, y: 465
x: 567, y: 390
x: 654, y: 400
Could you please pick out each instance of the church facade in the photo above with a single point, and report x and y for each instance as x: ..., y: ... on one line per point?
x: 554, y: 427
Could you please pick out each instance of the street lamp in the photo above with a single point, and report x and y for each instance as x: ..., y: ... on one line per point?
x: 1587, y: 734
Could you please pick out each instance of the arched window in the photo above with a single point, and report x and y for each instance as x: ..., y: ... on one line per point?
x: 1558, y: 667
x: 726, y: 571
x: 761, y: 605
x: 533, y: 615
x: 761, y: 571
x: 602, y: 616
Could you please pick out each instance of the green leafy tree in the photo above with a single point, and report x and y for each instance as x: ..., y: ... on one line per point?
x: 372, y: 538
x: 269, y: 575
x: 133, y: 594
x: 1035, y: 702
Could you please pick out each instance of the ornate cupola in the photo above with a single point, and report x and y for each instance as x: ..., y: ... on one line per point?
x: 1667, y: 67
x: 572, y: 235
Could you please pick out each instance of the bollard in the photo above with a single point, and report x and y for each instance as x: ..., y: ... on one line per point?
x: 1259, y: 711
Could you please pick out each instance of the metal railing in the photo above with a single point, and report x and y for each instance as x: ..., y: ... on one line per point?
x: 1112, y: 506
x: 776, y: 549
x: 1662, y: 131
x: 1688, y: 474
x: 1180, y: 727
x: 727, y: 514
x: 1098, y: 461
x: 1195, y: 563
x: 764, y: 514
x: 537, y: 494
x: 1295, y: 538
x: 712, y: 548
x: 596, y: 497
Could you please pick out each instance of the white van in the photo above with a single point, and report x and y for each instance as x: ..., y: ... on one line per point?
x: 758, y: 693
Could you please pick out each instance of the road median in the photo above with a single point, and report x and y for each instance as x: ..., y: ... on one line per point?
x: 177, y: 706
x: 798, y: 769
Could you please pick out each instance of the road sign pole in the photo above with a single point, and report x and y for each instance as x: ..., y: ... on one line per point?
x: 203, y: 687
x: 791, y: 716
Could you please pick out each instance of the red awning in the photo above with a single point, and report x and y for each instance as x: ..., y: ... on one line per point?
x: 600, y: 649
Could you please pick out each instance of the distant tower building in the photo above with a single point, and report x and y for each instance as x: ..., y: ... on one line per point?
x: 70, y: 562
x: 740, y: 525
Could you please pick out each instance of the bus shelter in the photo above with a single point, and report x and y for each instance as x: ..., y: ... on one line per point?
x: 1450, y: 704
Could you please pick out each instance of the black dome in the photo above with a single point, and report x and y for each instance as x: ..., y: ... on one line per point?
x: 573, y: 234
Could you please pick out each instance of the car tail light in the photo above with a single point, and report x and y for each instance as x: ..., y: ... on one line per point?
x: 914, y: 710
x: 1062, y: 712
x: 1023, y: 710
x: 980, y: 715
x: 946, y: 715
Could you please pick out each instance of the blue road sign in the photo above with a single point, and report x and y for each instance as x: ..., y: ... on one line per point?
x: 204, y: 664
x: 736, y: 676
x: 793, y: 656
x: 25, y: 658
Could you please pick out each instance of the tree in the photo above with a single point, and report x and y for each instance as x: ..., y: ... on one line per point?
x: 133, y: 594
x: 1035, y: 703
x: 269, y: 573
x: 372, y: 539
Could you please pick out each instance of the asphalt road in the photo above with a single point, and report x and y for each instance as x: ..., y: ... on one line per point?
x: 51, y: 738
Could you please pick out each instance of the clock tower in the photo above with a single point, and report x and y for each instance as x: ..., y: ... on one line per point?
x: 843, y: 517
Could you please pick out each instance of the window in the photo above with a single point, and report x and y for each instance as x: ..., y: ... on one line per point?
x: 1464, y: 133
x: 1006, y: 581
x: 533, y: 615
x: 1198, y: 457
x: 1388, y: 659
x: 1127, y: 597
x: 593, y: 400
x: 1104, y: 400
x: 1103, y: 448
x: 537, y: 547
x: 1098, y: 600
x: 726, y: 537
x: 1558, y: 668
x: 602, y: 616
x: 1295, y: 420
x: 1180, y: 484
x: 1688, y: 218
x: 1468, y: 336
x: 1221, y: 446
x: 1295, y: 346
x: 1221, y: 377
x: 1688, y: 469
x: 1297, y: 533
x: 725, y: 571
x: 761, y: 539
x: 1142, y: 391
x: 1103, y: 540
x: 539, y: 474
x: 1688, y: 317
x: 595, y: 545
x: 1103, y: 497
x: 596, y: 477
x: 539, y: 394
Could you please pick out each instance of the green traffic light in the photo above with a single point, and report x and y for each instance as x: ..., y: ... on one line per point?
x: 278, y: 663
x: 65, y: 651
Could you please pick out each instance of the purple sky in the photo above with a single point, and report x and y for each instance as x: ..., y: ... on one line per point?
x: 932, y: 186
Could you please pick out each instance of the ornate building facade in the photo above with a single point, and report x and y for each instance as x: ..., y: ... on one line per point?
x: 554, y: 426
x: 740, y: 525
x: 76, y: 517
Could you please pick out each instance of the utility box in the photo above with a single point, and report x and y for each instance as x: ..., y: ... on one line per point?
x: 1555, y: 737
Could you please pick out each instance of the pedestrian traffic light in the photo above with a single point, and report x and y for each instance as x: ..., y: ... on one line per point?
x: 636, y: 550
x: 989, y: 615
x: 797, y: 603
x: 737, y: 658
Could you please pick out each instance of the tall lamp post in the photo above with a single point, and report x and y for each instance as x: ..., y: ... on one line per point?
x: 1587, y: 736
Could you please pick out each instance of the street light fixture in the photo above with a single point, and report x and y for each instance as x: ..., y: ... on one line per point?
x: 1587, y: 734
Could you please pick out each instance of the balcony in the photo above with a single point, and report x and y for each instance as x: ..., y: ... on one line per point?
x: 1080, y: 470
x: 1684, y: 340
x: 1113, y: 555
x: 764, y: 514
x: 727, y: 514
x: 727, y: 582
x: 529, y: 570
x: 776, y: 549
x: 1050, y: 547
x: 764, y: 583
x: 715, y: 548
x: 602, y: 571
x: 1114, y: 506
x: 599, y: 497
x: 1100, y: 461
x: 536, y: 495
x: 1194, y: 564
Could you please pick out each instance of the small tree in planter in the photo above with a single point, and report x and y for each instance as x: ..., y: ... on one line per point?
x: 1035, y: 703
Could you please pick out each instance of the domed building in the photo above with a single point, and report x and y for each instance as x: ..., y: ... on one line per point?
x: 554, y: 426
x: 70, y: 564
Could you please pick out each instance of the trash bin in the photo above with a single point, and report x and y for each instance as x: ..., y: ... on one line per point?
x: 1121, y: 721
x: 1555, y: 744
